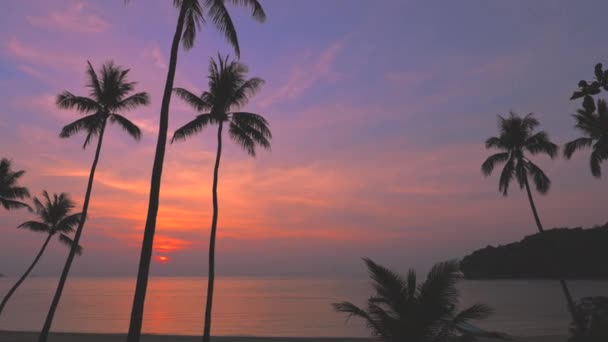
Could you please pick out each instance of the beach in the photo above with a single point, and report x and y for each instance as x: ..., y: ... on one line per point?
x: 11, y: 336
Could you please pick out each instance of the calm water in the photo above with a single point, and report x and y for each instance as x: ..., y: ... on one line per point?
x: 267, y: 306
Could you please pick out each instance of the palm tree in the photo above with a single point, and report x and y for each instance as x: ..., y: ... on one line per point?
x: 110, y: 95
x: 10, y: 191
x: 593, y: 122
x: 228, y: 90
x: 404, y: 310
x: 518, y: 137
x: 55, y: 218
x: 191, y: 15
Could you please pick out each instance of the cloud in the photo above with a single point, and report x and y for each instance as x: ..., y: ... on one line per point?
x: 76, y: 18
x: 305, y: 75
x: 157, y: 57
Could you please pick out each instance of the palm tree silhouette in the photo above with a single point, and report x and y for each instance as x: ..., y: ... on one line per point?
x: 228, y: 90
x: 10, y: 191
x: 109, y: 94
x: 55, y: 218
x: 191, y: 16
x: 593, y: 122
x: 404, y: 310
x: 518, y: 137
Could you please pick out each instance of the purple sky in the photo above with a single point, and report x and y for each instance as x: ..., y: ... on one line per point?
x: 379, y: 111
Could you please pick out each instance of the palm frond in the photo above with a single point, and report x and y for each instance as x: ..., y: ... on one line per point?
x: 193, y: 127
x: 575, y: 145
x: 594, y: 162
x: 96, y: 91
x: 69, y: 223
x: 541, y: 181
x: 67, y: 100
x: 246, y: 91
x: 66, y: 240
x: 220, y: 17
x: 198, y: 103
x: 134, y: 101
x: 495, y: 142
x: 89, y: 123
x: 488, y: 165
x: 540, y: 143
x: 474, y: 312
x: 126, y: 125
x: 193, y: 18
x: 35, y: 226
x: 243, y: 139
x: 257, y: 11
x: 354, y: 311
x: 506, y: 176
x: 10, y: 204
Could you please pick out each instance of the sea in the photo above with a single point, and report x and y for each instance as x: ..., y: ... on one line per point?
x: 270, y: 306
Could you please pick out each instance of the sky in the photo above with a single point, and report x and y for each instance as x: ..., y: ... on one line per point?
x: 379, y: 111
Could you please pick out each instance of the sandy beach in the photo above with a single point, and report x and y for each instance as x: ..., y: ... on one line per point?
x: 11, y: 336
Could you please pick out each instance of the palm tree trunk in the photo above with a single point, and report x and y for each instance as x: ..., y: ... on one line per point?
x: 44, y: 334
x: 562, y: 282
x: 27, y: 272
x: 145, y: 258
x: 211, y: 279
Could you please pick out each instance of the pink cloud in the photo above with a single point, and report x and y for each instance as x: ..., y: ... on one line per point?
x: 306, y: 75
x: 73, y: 19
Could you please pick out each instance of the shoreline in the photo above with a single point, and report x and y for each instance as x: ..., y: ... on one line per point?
x: 24, y: 336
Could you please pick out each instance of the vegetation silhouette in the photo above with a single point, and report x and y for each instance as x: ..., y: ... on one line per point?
x: 592, y: 120
x: 10, y: 192
x: 191, y: 16
x: 229, y: 89
x: 405, y: 310
x: 55, y: 218
x: 518, y: 137
x: 594, y: 315
x: 581, y: 254
x: 109, y: 95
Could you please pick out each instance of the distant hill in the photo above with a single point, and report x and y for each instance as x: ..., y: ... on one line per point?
x: 579, y: 253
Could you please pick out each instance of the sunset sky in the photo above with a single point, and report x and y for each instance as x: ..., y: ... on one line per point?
x: 379, y: 111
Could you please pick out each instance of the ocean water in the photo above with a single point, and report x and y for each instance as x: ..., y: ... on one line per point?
x: 268, y: 306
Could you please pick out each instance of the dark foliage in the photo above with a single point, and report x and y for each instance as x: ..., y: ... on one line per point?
x: 10, y: 191
x: 594, y: 313
x: 581, y: 253
x: 401, y: 309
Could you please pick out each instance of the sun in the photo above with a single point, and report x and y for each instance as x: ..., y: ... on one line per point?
x: 162, y: 259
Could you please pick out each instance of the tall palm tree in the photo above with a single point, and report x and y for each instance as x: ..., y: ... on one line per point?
x: 517, y: 138
x: 228, y: 90
x: 55, y: 218
x: 109, y: 95
x: 405, y: 310
x: 191, y: 16
x: 10, y: 191
x: 593, y: 122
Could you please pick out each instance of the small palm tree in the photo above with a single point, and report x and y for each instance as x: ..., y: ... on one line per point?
x: 593, y: 122
x: 55, y: 218
x: 518, y: 138
x: 404, y: 310
x: 109, y: 95
x: 228, y: 90
x: 192, y: 14
x: 10, y: 191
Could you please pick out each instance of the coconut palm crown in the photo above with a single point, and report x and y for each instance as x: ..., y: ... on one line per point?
x: 405, y: 310
x: 55, y: 218
x: 517, y: 138
x: 10, y: 191
x: 109, y: 95
x: 229, y: 90
x: 592, y: 121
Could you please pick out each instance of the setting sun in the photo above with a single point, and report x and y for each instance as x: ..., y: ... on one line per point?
x: 163, y: 259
